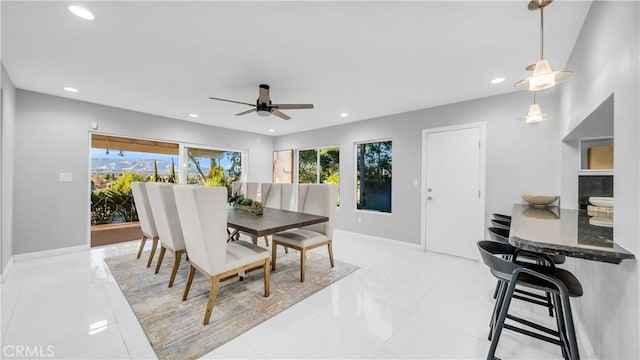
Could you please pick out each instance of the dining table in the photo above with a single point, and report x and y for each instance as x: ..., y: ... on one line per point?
x: 570, y: 232
x: 270, y: 222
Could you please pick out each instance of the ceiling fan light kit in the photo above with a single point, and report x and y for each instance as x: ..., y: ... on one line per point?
x: 264, y: 107
x: 543, y: 76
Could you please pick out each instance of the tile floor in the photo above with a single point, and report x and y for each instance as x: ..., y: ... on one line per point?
x: 401, y: 304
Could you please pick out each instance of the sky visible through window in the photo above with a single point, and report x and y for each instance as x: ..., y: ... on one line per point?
x: 131, y: 155
x: 134, y: 155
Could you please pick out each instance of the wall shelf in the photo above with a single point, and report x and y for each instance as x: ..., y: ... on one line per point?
x: 596, y: 156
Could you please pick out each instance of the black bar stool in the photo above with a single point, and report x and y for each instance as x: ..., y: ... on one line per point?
x: 561, y: 283
x: 504, y: 224
x: 502, y: 235
x: 502, y: 217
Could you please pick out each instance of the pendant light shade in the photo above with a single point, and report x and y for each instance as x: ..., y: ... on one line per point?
x: 543, y: 76
x: 535, y: 115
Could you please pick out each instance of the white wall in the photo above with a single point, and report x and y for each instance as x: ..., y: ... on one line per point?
x: 521, y: 158
x: 52, y: 136
x: 606, y: 61
x: 7, y: 146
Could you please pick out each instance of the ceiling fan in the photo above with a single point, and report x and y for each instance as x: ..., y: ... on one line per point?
x: 264, y: 107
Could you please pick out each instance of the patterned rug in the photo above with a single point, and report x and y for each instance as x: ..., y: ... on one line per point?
x: 174, y: 328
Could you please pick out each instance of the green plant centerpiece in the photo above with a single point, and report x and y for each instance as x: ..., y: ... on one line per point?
x: 244, y: 204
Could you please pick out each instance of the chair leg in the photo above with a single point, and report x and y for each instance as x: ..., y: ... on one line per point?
x: 187, y: 287
x: 330, y: 246
x: 267, y: 277
x: 153, y: 251
x: 501, y: 319
x: 176, y: 265
x: 303, y: 257
x: 213, y: 294
x: 163, y: 250
x: 502, y: 288
x: 568, y: 321
x: 549, y: 304
x: 562, y: 331
x: 495, y: 292
x: 286, y: 250
x: 144, y: 240
x: 274, y: 254
x: 266, y: 240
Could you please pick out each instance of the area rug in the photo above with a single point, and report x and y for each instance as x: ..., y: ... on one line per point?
x: 174, y: 327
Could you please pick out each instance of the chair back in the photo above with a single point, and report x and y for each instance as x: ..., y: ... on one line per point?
x: 502, y: 217
x: 287, y: 196
x: 145, y: 214
x: 237, y: 188
x: 302, y: 195
x: 501, y: 223
x: 272, y: 198
x: 165, y: 212
x: 252, y: 190
x: 492, y: 254
x: 203, y: 217
x: 321, y: 199
x: 499, y: 234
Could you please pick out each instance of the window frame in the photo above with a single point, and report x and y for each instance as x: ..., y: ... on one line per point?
x: 318, y: 167
x: 355, y: 176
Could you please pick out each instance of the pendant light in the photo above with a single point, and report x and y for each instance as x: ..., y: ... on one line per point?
x: 535, y: 115
x: 543, y: 76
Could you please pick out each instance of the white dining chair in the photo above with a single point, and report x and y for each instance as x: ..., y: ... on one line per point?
x: 203, y: 217
x: 253, y: 189
x: 287, y: 196
x: 145, y: 217
x: 319, y: 199
x: 165, y: 213
x: 238, y: 188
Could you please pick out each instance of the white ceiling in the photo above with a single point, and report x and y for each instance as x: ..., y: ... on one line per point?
x: 368, y: 59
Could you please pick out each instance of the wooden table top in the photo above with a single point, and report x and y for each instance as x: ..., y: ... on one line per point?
x: 271, y: 221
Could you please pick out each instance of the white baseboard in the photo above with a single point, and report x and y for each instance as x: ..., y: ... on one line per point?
x: 381, y: 240
x: 6, y: 271
x: 49, y: 253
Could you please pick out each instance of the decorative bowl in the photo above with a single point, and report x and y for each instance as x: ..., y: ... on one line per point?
x: 542, y: 214
x: 539, y: 201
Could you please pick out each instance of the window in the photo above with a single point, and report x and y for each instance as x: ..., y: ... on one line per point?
x: 319, y: 166
x: 115, y: 163
x: 373, y: 178
x: 308, y: 166
x: 213, y: 167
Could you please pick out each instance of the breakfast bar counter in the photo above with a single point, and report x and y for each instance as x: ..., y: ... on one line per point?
x: 568, y: 232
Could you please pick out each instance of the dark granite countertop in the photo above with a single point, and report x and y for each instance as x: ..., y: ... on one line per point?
x: 565, y: 232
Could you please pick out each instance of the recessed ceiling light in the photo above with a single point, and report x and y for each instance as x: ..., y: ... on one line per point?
x: 81, y: 12
x: 497, y: 80
x: 344, y: 115
x: 271, y: 130
x: 193, y: 115
x: 70, y: 89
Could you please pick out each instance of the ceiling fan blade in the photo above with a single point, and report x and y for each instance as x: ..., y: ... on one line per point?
x: 280, y: 114
x: 246, y: 112
x: 292, y: 106
x: 232, y: 101
x: 263, y: 97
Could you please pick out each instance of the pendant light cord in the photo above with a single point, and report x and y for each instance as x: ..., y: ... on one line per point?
x: 541, y: 32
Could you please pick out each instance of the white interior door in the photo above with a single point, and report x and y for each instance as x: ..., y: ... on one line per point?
x: 453, y: 178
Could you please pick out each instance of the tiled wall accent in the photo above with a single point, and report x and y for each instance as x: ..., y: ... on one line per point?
x: 593, y: 186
